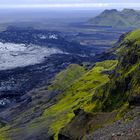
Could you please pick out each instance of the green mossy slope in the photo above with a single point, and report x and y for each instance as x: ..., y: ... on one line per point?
x: 65, y: 78
x: 115, y: 96
x: 125, y: 81
x: 78, y: 95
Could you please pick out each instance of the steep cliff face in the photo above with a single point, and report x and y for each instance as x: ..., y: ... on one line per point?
x: 100, y: 103
x: 125, y: 82
x: 113, y: 100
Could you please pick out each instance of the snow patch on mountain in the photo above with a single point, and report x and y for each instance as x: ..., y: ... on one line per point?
x: 20, y: 55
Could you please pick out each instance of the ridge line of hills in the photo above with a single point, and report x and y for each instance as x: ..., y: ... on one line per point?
x: 114, y: 18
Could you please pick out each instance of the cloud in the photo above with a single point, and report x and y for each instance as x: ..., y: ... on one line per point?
x: 22, y: 2
x: 68, y: 3
x: 57, y: 5
x: 75, y: 5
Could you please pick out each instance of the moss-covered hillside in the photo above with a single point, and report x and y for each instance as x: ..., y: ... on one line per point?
x: 83, y: 101
x: 114, y: 99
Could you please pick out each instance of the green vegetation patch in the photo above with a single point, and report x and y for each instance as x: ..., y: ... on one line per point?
x: 3, y: 134
x: 78, y: 95
x: 65, y: 78
x: 134, y: 35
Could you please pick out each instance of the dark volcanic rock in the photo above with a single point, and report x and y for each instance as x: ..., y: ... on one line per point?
x: 24, y: 79
x: 62, y: 137
x: 50, y: 39
x: 134, y: 100
x: 15, y: 83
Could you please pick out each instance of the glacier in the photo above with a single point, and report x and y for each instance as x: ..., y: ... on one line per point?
x: 21, y: 55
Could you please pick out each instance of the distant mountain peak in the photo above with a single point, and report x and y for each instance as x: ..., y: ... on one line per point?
x: 128, y: 10
x: 115, y: 18
x: 110, y: 11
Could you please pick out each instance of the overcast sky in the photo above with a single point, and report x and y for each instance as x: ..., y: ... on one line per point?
x: 69, y: 3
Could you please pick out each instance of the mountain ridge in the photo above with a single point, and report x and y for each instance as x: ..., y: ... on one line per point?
x: 114, y: 18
